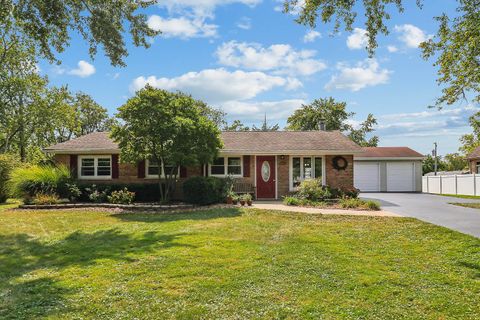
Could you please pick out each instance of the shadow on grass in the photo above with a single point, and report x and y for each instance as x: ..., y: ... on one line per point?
x: 177, y: 216
x: 474, y: 267
x: 26, y: 295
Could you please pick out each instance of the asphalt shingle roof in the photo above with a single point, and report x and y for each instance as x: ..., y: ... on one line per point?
x: 389, y: 152
x: 243, y: 142
x: 475, y: 154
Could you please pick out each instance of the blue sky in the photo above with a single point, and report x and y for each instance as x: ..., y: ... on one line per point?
x: 248, y: 58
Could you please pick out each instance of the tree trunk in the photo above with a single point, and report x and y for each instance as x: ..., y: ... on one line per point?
x: 22, y: 147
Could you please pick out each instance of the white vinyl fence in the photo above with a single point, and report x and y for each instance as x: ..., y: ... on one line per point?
x: 464, y: 184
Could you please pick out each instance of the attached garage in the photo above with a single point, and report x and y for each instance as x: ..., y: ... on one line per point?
x: 366, y: 176
x: 388, y: 169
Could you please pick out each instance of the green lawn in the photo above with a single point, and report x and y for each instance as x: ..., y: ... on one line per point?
x: 461, y: 196
x: 468, y: 205
x: 233, y: 264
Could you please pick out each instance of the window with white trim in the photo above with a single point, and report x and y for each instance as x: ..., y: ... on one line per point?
x: 95, y: 167
x: 478, y: 167
x: 153, y: 169
x: 223, y: 166
x: 304, y: 168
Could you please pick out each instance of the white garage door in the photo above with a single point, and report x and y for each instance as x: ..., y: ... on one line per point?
x: 366, y: 176
x: 401, y: 176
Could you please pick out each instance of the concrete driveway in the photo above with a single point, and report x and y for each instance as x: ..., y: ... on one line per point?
x: 431, y: 208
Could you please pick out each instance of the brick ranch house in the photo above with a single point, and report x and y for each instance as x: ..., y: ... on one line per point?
x: 474, y: 161
x: 268, y: 164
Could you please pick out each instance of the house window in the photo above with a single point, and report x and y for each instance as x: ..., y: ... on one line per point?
x: 223, y: 166
x: 153, y: 169
x: 303, y: 168
x: 478, y: 167
x: 95, y: 167
x: 218, y: 167
x: 234, y: 166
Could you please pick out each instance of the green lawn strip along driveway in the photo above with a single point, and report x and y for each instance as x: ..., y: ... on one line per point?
x: 233, y: 263
x: 461, y: 196
x: 467, y: 205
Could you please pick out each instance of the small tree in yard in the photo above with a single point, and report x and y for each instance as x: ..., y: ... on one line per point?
x: 169, y: 128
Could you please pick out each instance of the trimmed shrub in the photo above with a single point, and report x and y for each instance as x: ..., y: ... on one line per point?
x: 95, y: 195
x: 7, y: 164
x: 42, y: 199
x: 350, y: 203
x: 372, y: 205
x: 356, y: 203
x: 28, y: 181
x: 291, y: 201
x: 74, y: 191
x: 121, y: 197
x: 144, y: 192
x: 204, y: 190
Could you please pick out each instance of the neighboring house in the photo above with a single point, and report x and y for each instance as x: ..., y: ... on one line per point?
x: 474, y: 161
x: 271, y: 163
x: 388, y: 169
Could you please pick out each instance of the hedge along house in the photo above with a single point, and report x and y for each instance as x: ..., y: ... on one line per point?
x: 267, y: 164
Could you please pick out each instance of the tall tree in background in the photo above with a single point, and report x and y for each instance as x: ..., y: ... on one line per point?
x: 46, y: 25
x: 455, y: 46
x: 167, y: 128
x: 471, y: 141
x: 236, y: 125
x: 334, y: 116
x: 92, y: 117
x: 265, y: 126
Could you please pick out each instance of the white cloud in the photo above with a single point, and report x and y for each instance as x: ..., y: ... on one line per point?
x: 83, y: 70
x: 245, y: 23
x: 392, y: 49
x: 182, y: 27
x: 200, y: 8
x: 311, y: 36
x: 294, y: 10
x: 426, y: 123
x: 358, y: 39
x: 411, y: 35
x: 279, y: 58
x: 251, y: 111
x: 366, y: 73
x: 218, y: 85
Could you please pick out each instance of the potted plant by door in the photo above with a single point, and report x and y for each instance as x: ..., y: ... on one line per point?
x: 248, y: 199
x: 230, y: 197
x: 235, y: 199
x: 243, y: 200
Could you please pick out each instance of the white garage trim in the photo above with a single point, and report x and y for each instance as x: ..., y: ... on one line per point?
x: 367, y: 176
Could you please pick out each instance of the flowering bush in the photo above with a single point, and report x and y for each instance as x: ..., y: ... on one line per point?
x: 121, y: 197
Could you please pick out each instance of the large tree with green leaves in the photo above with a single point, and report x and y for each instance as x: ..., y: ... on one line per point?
x: 334, y: 116
x: 472, y: 140
x: 168, y: 128
x: 456, y: 46
x: 47, y: 24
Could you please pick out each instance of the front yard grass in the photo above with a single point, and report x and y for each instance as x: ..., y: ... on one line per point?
x: 233, y: 264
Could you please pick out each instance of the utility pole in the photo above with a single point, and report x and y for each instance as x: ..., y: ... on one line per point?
x: 434, y: 153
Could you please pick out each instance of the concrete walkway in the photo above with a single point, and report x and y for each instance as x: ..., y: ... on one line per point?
x: 278, y: 205
x: 431, y: 208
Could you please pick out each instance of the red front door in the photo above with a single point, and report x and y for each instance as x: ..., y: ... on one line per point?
x: 266, y: 177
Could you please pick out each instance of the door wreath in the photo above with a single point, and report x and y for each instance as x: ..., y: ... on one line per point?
x: 340, y: 163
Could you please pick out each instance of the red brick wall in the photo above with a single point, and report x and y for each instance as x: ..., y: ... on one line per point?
x: 339, y: 178
x: 283, y: 182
